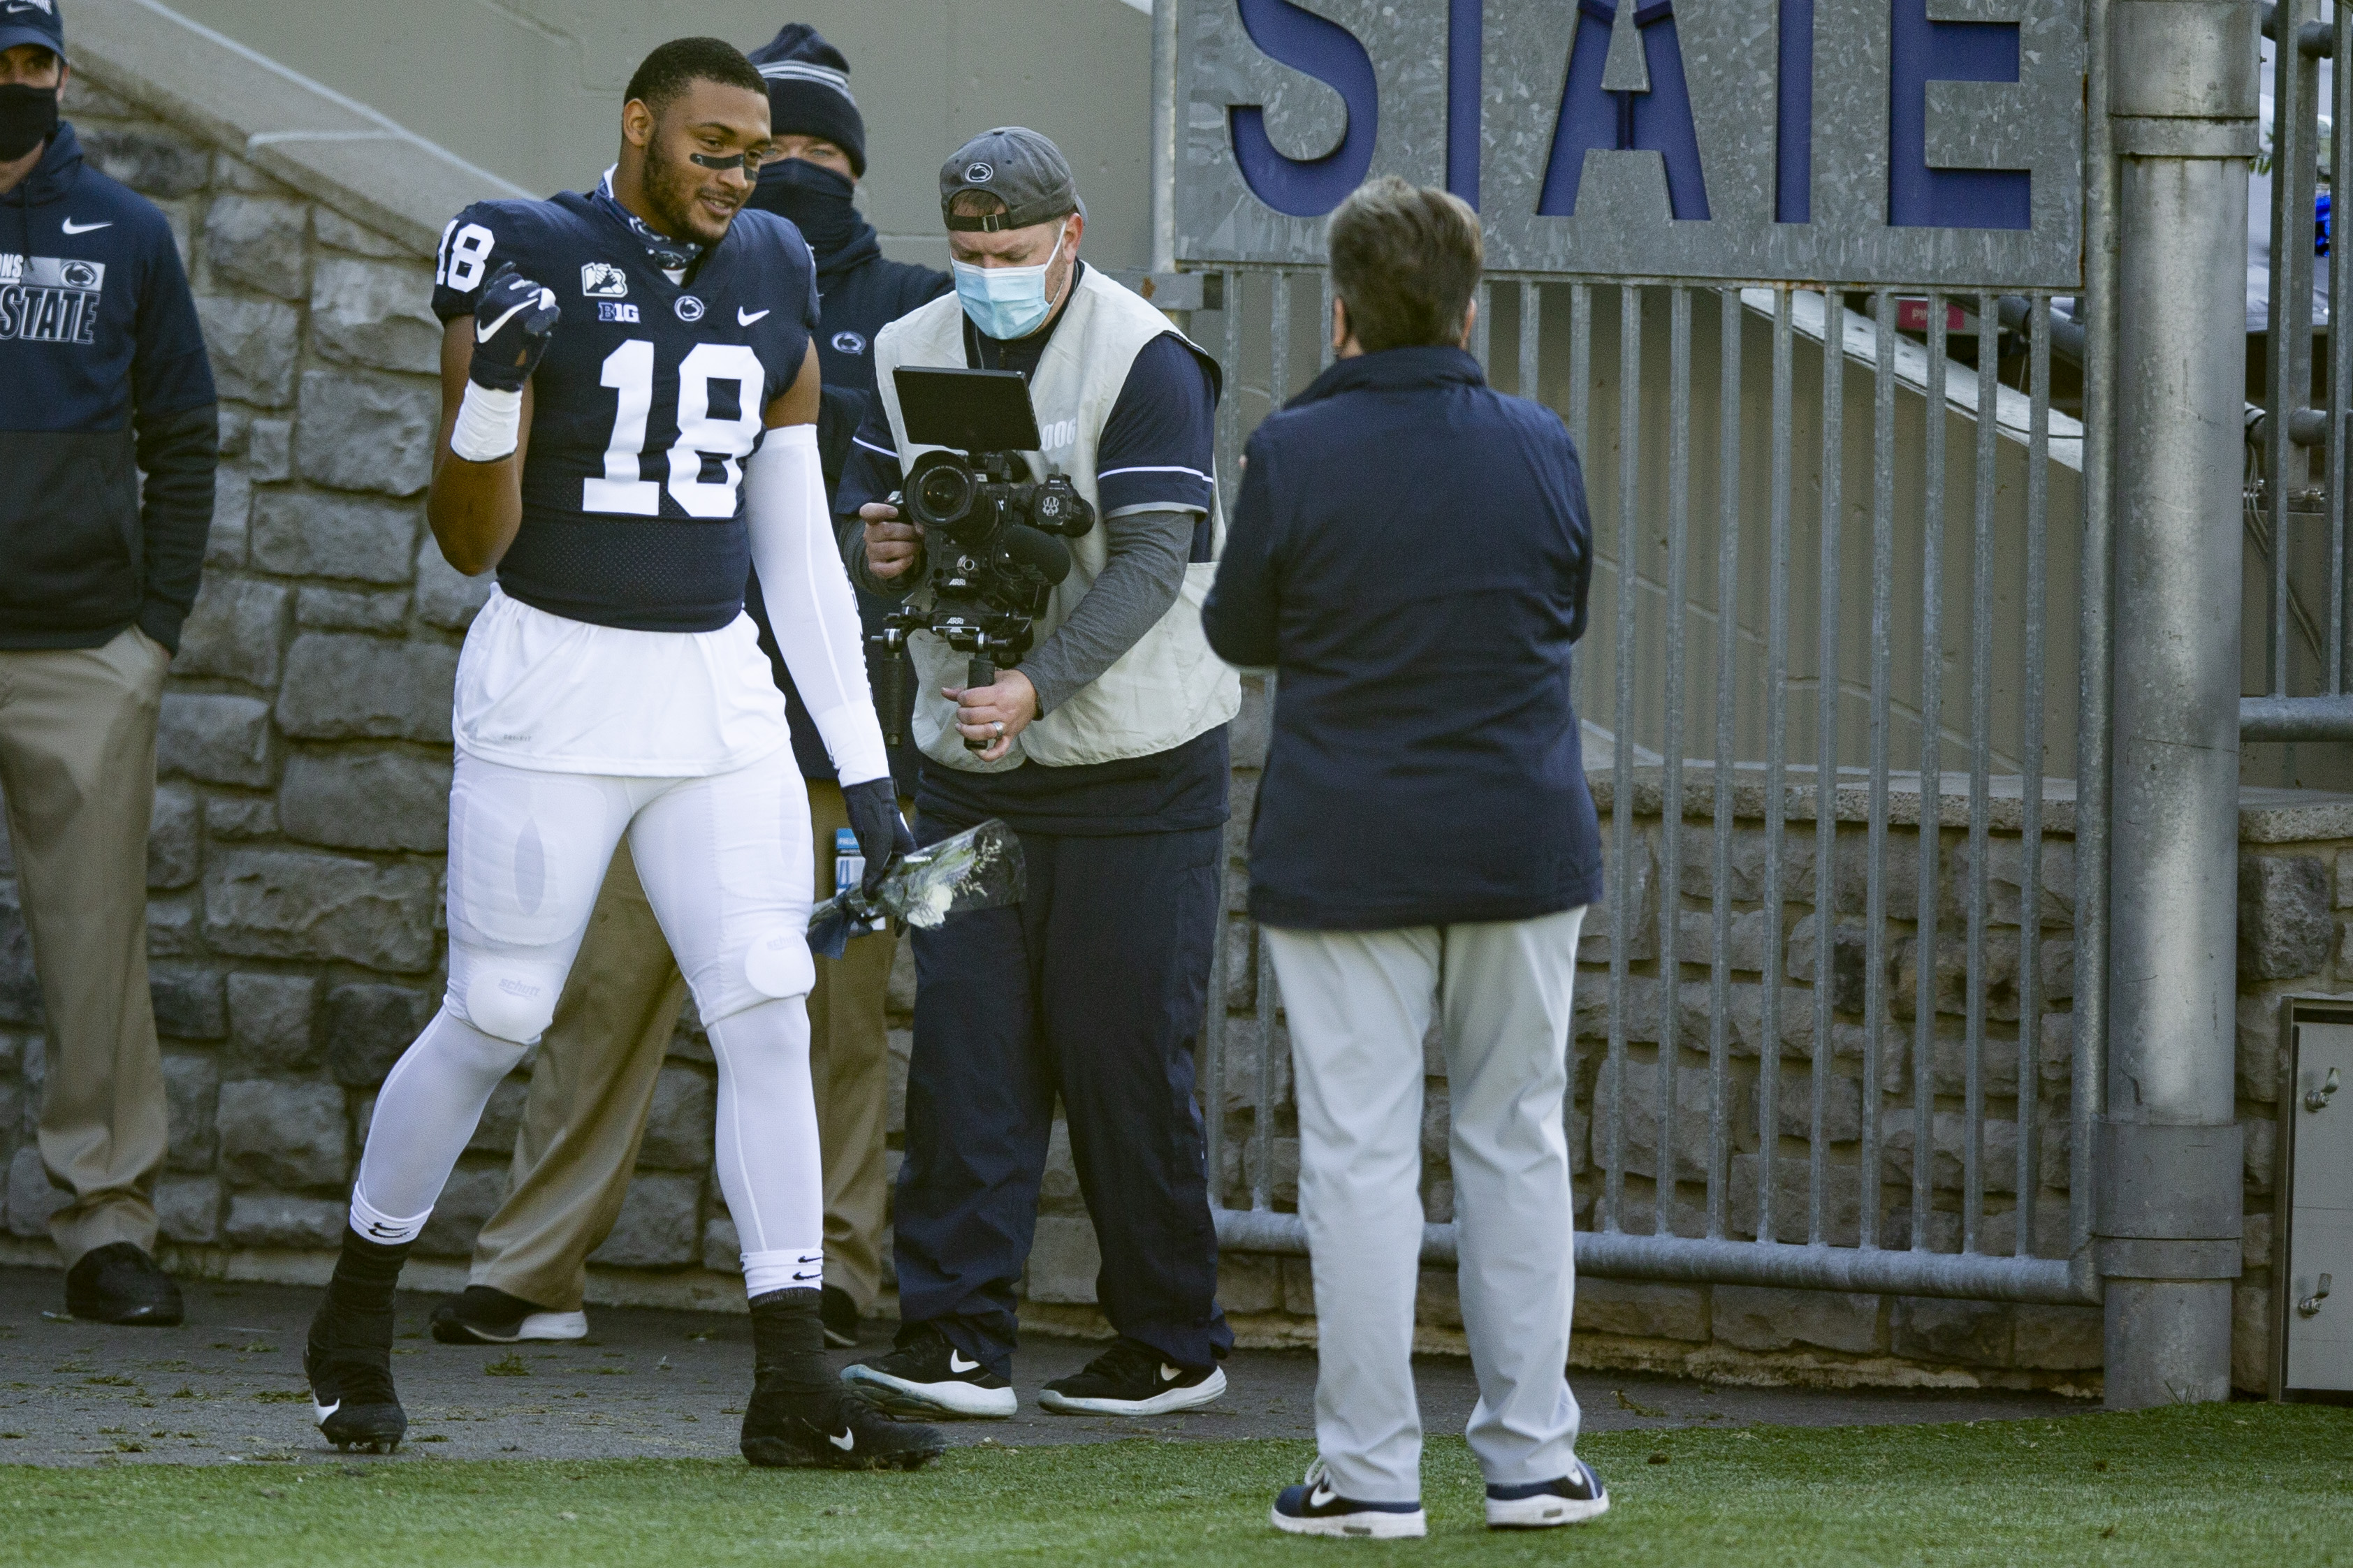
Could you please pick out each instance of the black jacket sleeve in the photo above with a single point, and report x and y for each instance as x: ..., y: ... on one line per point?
x: 1242, y: 617
x: 178, y: 453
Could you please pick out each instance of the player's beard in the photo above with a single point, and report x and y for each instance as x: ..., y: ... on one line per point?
x: 670, y: 190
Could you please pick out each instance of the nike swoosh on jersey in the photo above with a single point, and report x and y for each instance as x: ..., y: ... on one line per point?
x: 845, y: 1442
x: 483, y: 334
x: 956, y: 1363
x: 745, y: 317
x: 72, y: 227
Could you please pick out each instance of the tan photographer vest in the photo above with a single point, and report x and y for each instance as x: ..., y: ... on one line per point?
x: 1170, y: 687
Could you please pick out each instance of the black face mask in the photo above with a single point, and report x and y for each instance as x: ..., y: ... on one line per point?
x: 29, y: 116
x: 816, y: 198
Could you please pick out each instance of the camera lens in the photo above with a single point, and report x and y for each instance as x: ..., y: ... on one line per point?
x: 943, y: 494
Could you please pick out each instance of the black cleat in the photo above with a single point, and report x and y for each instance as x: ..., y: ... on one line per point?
x: 350, y: 1369
x: 927, y: 1377
x: 834, y: 1430
x: 482, y: 1315
x: 118, y: 1283
x: 1131, y: 1379
x: 840, y: 1315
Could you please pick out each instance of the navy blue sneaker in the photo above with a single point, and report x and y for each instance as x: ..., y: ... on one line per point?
x: 1313, y: 1508
x: 1540, y: 1505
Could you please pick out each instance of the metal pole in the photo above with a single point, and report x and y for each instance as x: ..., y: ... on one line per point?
x: 1164, y: 135
x: 2182, y: 99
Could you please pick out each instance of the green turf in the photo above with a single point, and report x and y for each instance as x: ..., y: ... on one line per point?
x: 2216, y: 1484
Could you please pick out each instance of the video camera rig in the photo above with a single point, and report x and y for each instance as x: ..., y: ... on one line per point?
x: 990, y: 531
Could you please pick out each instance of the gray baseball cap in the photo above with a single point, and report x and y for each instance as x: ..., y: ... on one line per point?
x: 1019, y: 167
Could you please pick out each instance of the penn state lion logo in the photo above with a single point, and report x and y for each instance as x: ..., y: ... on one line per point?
x: 849, y: 343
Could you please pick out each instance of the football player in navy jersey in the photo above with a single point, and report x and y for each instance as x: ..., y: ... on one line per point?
x: 629, y: 395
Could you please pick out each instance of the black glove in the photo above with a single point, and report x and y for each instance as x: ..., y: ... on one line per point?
x: 883, y: 835
x: 512, y: 327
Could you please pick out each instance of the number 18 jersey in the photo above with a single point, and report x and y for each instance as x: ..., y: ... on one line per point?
x: 648, y: 399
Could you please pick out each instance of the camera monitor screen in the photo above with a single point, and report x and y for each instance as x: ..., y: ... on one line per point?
x: 970, y: 410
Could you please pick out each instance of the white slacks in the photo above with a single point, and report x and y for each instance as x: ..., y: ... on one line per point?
x: 1360, y: 1004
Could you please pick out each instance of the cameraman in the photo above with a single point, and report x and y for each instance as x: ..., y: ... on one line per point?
x: 1410, y: 552
x: 1106, y: 752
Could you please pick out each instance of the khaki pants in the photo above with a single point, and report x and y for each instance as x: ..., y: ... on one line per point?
x: 78, y: 764
x: 593, y: 1087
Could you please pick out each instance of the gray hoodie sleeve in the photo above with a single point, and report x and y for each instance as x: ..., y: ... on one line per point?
x: 1141, y: 580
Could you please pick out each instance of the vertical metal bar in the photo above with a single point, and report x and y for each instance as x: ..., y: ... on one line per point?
x: 1728, y: 407
x: 1825, y: 729
x: 2339, y: 672
x: 1482, y: 325
x: 1670, y: 804
x: 1932, y: 782
x: 1776, y: 760
x: 1622, y: 825
x: 2096, y: 649
x: 1579, y: 411
x: 1980, y: 769
x: 1581, y: 369
x: 2286, y: 391
x: 1278, y: 371
x: 1531, y: 325
x: 1230, y: 408
x: 2030, y: 825
x: 1327, y: 352
x: 1263, y: 1118
x: 1883, y: 594
x: 1164, y: 135
x: 1213, y: 1045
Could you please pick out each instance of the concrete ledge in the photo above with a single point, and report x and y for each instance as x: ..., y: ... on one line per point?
x: 332, y: 148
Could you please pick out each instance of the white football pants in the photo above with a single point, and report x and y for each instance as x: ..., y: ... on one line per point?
x: 725, y: 864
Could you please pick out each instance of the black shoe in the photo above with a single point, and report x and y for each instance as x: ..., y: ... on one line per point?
x: 841, y: 1314
x: 926, y: 1376
x: 1571, y: 1500
x: 348, y: 1360
x: 1131, y: 1379
x: 481, y: 1315
x: 835, y: 1430
x: 118, y: 1283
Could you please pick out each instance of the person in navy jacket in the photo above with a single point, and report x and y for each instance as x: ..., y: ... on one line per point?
x: 1410, y: 556
x: 103, y: 378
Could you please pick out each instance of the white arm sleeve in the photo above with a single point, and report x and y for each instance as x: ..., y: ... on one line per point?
x: 810, y: 605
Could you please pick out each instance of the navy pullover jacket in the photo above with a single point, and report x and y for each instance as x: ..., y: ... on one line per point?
x: 1410, y: 552
x: 102, y: 376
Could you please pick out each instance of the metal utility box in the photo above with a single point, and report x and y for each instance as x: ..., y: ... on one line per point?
x: 2311, y: 1256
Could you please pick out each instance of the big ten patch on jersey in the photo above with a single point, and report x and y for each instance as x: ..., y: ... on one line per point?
x: 49, y: 299
x: 653, y: 392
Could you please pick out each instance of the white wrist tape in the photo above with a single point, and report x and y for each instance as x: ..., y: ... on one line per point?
x: 489, y: 425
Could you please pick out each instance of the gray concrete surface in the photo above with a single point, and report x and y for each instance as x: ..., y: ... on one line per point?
x: 228, y: 1387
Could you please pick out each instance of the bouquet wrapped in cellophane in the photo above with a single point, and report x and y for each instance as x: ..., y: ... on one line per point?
x: 979, y: 869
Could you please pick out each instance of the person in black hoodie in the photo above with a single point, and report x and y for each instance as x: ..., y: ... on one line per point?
x: 590, y: 1098
x: 102, y: 376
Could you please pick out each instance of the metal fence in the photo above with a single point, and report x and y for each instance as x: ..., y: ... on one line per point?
x: 1842, y: 1043
x: 2295, y: 489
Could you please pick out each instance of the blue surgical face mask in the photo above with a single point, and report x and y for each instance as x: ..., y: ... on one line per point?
x: 1006, y: 302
